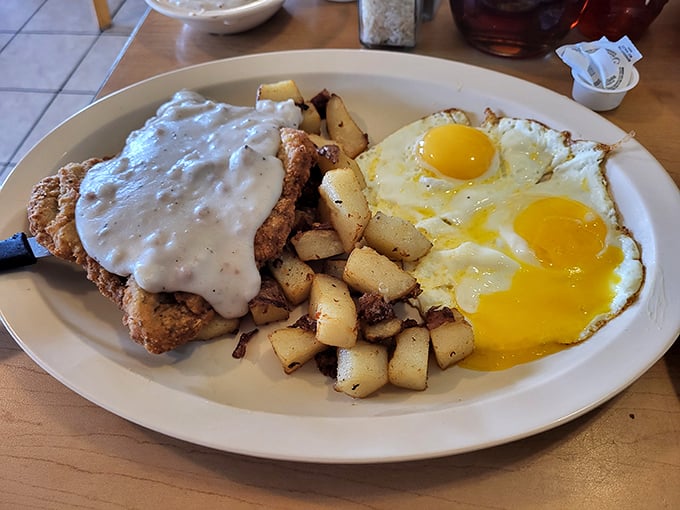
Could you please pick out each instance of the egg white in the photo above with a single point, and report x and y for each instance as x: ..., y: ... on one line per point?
x: 398, y: 179
x: 476, y: 250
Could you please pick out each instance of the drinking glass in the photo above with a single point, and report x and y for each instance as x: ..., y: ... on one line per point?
x: 616, y: 18
x: 515, y: 28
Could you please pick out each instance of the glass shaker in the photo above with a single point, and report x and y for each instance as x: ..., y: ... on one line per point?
x: 389, y: 23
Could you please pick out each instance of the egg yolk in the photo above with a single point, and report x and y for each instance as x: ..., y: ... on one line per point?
x: 550, y: 304
x: 457, y: 151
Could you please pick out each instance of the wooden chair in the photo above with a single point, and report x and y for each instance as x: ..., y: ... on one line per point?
x: 101, y: 9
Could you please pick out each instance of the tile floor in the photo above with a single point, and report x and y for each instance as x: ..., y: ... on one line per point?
x: 53, y: 60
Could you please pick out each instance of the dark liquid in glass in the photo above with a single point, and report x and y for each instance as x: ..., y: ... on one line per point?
x: 515, y: 28
x: 616, y: 18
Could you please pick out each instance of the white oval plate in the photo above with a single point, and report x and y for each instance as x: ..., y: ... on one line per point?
x: 201, y: 394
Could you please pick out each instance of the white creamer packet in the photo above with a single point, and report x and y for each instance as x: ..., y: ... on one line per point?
x: 602, y: 63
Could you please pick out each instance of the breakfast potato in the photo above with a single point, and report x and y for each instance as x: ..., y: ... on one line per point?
x: 362, y: 369
x: 320, y: 100
x: 311, y: 120
x: 334, y: 311
x: 451, y: 342
x: 332, y: 156
x: 218, y: 326
x: 280, y: 91
x: 288, y: 89
x: 408, y: 366
x: 270, y: 304
x: 293, y: 275
x: 320, y: 141
x: 294, y: 347
x: 395, y: 238
x: 382, y: 329
x: 317, y: 244
x: 342, y: 128
x: 334, y: 267
x: 367, y: 270
x: 346, y: 205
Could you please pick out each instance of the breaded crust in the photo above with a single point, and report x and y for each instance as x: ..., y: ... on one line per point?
x: 298, y: 155
x: 161, y: 321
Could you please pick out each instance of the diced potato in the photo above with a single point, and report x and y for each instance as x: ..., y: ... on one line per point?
x: 320, y: 100
x: 334, y: 267
x: 346, y: 204
x: 332, y: 156
x: 294, y: 347
x: 457, y: 315
x: 280, y: 91
x: 324, y: 213
x: 451, y: 342
x: 396, y: 238
x: 317, y: 244
x: 319, y: 140
x: 367, y: 270
x: 408, y: 366
x: 334, y: 311
x: 362, y: 370
x: 270, y: 304
x: 293, y: 275
x: 311, y: 120
x: 342, y: 128
x: 383, y: 329
x: 288, y: 89
x: 218, y: 326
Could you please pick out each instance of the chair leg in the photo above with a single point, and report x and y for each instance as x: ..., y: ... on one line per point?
x: 101, y: 9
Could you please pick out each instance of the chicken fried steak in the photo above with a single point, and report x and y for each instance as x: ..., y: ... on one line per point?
x: 162, y: 321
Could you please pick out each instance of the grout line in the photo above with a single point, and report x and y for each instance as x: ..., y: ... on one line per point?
x: 14, y: 33
x: 61, y: 32
x: 52, y: 100
x: 115, y: 62
x: 31, y: 17
x: 43, y: 91
x: 6, y: 167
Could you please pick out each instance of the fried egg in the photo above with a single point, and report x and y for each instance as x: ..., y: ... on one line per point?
x: 527, y: 241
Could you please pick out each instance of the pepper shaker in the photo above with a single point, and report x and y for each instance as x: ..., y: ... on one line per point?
x: 389, y: 23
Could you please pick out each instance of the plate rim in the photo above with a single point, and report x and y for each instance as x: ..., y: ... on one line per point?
x: 331, y: 425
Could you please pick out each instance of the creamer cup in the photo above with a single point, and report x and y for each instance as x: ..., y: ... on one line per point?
x: 603, y: 71
x: 598, y: 99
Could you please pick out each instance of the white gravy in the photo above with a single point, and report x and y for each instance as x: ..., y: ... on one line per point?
x: 178, y: 208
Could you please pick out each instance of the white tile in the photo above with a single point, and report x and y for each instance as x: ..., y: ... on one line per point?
x: 127, y: 17
x: 45, y: 44
x: 20, y: 112
x: 63, y: 106
x: 15, y: 13
x: 4, y: 39
x: 115, y: 5
x: 70, y: 16
x: 95, y: 67
x: 42, y: 61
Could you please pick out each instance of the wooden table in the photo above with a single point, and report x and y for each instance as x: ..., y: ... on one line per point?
x: 58, y: 450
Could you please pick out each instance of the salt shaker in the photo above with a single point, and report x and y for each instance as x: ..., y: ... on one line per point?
x: 389, y: 23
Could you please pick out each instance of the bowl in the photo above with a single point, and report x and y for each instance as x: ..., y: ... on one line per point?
x: 227, y: 20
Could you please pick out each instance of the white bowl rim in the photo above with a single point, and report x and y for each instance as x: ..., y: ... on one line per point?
x: 168, y: 9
